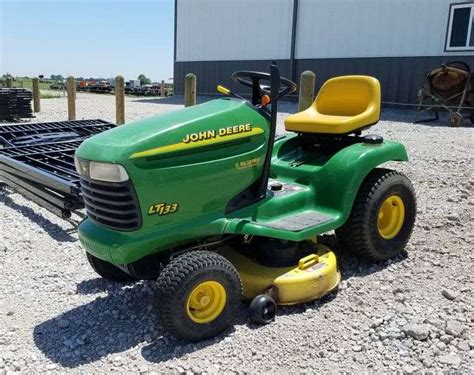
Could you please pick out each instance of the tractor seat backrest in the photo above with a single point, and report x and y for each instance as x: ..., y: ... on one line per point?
x: 343, y: 105
x: 347, y: 96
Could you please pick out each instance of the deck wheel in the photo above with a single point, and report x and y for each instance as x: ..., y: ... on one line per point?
x: 263, y: 309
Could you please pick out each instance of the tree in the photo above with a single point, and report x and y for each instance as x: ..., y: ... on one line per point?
x: 56, y: 77
x: 144, y: 80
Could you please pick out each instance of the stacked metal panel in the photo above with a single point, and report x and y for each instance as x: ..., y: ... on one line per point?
x: 15, y: 103
x: 37, y: 160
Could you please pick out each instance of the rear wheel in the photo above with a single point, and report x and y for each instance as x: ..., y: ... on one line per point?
x: 199, y: 294
x: 382, y: 217
x: 108, y: 270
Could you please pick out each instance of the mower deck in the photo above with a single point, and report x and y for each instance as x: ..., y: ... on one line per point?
x: 314, y: 276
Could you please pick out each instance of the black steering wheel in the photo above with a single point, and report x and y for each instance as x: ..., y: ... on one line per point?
x: 252, y: 79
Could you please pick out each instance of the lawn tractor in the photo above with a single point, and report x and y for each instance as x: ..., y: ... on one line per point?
x: 208, y: 202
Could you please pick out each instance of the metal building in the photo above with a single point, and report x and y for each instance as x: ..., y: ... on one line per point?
x: 397, y: 41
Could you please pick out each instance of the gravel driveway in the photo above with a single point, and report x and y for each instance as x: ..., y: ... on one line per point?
x: 410, y: 314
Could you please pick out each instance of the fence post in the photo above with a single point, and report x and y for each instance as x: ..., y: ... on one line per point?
x: 71, y: 98
x: 307, y: 84
x: 9, y: 81
x: 162, y: 89
x: 120, y: 100
x: 190, y: 90
x: 36, y: 95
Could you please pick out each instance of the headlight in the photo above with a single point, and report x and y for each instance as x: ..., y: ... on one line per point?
x: 107, y: 172
x: 101, y: 171
x: 82, y: 166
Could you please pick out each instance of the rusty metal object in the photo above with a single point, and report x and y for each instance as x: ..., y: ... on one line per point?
x: 449, y: 79
x: 450, y: 88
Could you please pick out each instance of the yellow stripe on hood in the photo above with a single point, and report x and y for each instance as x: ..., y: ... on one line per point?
x: 186, y: 146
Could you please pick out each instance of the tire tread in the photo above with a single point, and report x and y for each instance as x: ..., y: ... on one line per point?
x: 175, y: 274
x: 353, y: 234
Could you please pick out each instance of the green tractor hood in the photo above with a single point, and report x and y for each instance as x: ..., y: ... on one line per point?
x: 148, y: 137
x: 184, y: 168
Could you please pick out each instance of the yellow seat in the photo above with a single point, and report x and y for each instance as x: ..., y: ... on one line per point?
x: 343, y: 105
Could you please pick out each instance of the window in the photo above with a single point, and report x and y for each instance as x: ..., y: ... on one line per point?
x: 460, y: 28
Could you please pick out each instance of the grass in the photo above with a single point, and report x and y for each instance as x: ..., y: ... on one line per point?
x: 49, y: 96
x: 28, y: 84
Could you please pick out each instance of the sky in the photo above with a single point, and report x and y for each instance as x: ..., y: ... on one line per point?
x: 87, y: 38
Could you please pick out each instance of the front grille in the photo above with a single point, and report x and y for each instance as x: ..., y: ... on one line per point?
x: 112, y: 204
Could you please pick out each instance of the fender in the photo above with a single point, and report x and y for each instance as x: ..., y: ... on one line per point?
x: 339, y: 180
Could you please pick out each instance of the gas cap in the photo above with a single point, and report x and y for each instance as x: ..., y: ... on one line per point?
x: 372, y: 139
x: 276, y: 186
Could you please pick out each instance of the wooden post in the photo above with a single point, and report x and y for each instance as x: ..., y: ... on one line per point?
x: 36, y: 95
x: 71, y: 98
x: 307, y: 84
x: 190, y: 90
x: 120, y: 100
x: 9, y: 81
x: 162, y: 89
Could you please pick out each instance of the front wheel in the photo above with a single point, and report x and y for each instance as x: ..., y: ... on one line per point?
x: 382, y: 217
x: 199, y: 294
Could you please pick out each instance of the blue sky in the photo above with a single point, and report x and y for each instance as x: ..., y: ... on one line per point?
x: 88, y: 38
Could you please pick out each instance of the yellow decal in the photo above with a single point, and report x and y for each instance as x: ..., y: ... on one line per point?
x: 222, y: 132
x: 163, y: 209
x: 247, y: 163
x: 204, y: 138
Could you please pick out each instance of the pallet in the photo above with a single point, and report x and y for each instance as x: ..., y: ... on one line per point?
x: 15, y: 103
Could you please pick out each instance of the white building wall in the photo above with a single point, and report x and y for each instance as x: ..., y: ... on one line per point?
x: 210, y: 30
x: 371, y: 28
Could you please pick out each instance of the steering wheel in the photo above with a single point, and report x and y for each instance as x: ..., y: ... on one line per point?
x: 252, y: 79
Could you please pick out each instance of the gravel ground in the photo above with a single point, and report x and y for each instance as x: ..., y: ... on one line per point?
x: 410, y: 314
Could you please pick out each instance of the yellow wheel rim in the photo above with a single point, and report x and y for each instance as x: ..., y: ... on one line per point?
x: 390, y: 217
x: 206, y: 302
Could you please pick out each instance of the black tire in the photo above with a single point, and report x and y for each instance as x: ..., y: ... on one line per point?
x: 180, y: 278
x: 262, y: 309
x: 360, y: 233
x: 108, y: 270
